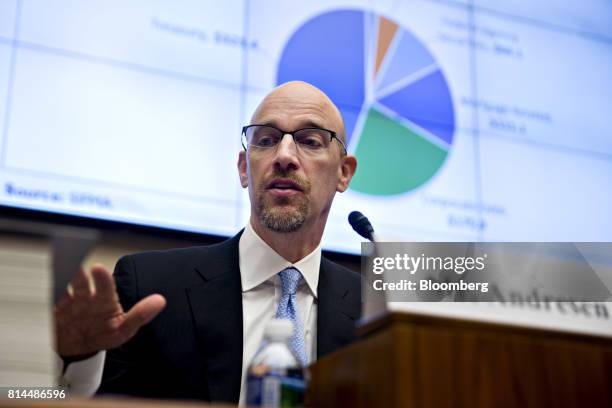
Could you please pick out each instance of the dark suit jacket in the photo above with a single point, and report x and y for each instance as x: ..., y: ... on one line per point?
x: 193, y: 349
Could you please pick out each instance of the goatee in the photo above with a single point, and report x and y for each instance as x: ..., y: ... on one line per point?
x: 284, y: 214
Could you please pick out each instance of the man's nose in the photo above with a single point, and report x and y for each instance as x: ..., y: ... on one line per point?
x: 287, y: 153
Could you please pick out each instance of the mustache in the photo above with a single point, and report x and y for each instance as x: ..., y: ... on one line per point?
x: 300, y: 181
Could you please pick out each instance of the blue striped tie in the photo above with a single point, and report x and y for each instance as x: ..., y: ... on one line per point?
x: 287, y: 309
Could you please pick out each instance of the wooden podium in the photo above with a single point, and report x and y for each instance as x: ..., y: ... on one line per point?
x: 409, y: 360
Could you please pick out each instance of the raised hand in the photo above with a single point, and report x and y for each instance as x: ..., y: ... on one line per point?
x: 89, y: 319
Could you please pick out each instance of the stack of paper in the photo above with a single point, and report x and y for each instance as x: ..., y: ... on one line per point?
x: 26, y: 353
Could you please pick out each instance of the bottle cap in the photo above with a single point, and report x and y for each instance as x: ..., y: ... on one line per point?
x: 280, y: 329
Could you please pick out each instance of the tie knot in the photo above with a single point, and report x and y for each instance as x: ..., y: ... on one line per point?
x: 290, y: 278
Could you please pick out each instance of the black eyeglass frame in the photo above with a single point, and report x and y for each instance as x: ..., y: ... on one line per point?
x: 333, y: 135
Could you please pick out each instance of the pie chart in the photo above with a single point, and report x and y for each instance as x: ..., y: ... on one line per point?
x: 394, y: 98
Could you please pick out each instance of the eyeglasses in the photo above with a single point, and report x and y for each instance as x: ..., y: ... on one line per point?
x: 311, y: 140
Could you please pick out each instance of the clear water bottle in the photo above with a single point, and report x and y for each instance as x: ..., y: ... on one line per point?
x: 275, y: 377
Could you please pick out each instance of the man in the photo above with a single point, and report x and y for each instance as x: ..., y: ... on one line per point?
x: 186, y: 323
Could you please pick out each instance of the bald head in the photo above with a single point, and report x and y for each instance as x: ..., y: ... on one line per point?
x: 292, y: 186
x: 296, y: 102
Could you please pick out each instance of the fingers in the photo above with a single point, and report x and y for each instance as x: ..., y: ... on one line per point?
x: 142, y: 313
x: 80, y: 285
x: 121, y: 328
x: 103, y: 282
x: 63, y: 301
x: 96, y: 289
x: 89, y: 316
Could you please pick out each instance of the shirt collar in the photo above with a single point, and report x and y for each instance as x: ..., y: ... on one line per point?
x: 259, y: 262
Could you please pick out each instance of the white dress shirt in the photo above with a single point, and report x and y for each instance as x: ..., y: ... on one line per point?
x: 261, y: 292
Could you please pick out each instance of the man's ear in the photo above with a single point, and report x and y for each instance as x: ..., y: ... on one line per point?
x: 346, y: 172
x: 242, y: 169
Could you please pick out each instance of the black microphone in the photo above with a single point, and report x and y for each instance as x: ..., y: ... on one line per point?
x: 361, y: 225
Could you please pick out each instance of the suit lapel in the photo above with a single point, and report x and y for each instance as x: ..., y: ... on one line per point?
x: 216, y: 307
x: 338, y: 309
